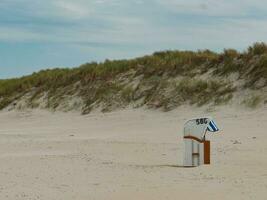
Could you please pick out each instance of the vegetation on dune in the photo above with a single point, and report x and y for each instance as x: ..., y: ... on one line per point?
x: 200, y: 92
x: 252, y: 101
x: 165, y: 80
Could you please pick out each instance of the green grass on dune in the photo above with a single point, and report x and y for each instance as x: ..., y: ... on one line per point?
x: 109, y: 82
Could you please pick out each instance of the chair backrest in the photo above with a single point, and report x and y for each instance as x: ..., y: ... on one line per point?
x: 197, y: 128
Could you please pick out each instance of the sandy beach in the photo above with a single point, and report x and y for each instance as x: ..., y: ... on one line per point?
x: 130, y: 154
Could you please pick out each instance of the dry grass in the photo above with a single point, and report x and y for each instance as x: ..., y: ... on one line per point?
x: 101, y: 83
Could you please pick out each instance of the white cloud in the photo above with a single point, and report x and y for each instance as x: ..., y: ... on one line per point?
x: 12, y: 34
x: 213, y: 7
x: 99, y: 22
x: 71, y: 10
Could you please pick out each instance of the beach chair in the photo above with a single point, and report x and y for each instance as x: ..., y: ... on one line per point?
x: 197, y: 148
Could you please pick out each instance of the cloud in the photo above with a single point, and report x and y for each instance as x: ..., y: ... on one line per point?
x: 12, y: 34
x: 223, y: 8
x: 71, y: 10
x: 66, y: 21
x: 150, y: 24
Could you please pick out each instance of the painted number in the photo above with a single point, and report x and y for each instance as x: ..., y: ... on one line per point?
x: 202, y: 121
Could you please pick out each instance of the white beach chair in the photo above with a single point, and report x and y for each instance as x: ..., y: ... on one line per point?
x: 197, y: 148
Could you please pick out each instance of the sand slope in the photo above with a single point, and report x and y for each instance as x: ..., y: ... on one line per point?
x: 131, y: 154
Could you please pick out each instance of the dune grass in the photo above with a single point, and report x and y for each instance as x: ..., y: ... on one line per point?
x: 253, y: 101
x: 108, y: 82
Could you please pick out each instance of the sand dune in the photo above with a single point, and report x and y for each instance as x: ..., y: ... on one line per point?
x: 131, y: 154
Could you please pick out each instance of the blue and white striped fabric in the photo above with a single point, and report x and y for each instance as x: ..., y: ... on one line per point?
x: 212, y: 126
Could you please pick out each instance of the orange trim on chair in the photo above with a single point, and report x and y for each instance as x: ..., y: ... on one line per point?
x: 193, y: 138
x: 207, y: 152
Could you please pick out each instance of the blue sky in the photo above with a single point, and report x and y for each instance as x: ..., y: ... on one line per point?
x: 37, y: 34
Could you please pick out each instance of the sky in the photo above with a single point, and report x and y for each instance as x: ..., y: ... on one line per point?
x: 41, y: 34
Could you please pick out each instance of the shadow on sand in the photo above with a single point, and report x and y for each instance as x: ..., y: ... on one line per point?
x: 161, y: 166
x: 175, y: 166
